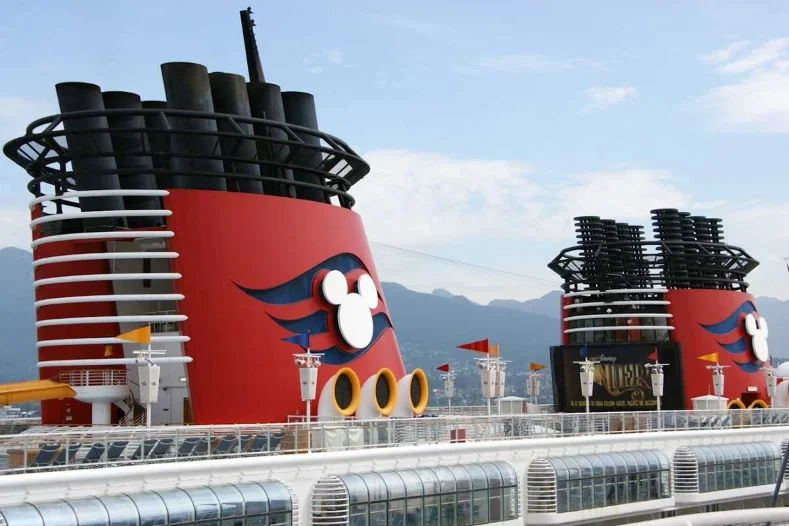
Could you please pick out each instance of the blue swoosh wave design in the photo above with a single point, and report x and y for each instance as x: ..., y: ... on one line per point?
x: 315, y: 323
x: 730, y: 322
x: 300, y: 287
x: 748, y: 367
x: 738, y: 347
x: 336, y: 356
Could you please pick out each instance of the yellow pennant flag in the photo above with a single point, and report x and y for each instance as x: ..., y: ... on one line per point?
x: 107, y: 351
x: 536, y: 366
x: 141, y: 335
x: 711, y: 357
x: 494, y: 350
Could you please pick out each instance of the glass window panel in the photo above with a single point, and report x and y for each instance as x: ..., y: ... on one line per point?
x: 280, y: 519
x: 56, y: 514
x: 462, y: 477
x: 278, y: 496
x: 493, y: 475
x: 464, y: 508
x: 510, y: 502
x: 598, y: 468
x: 586, y: 492
x: 394, y: 484
x: 480, y: 506
x: 357, y: 489
x: 25, y: 515
x: 376, y: 487
x: 575, y: 494
x: 413, y: 484
x: 478, y: 478
x: 396, y: 512
x: 446, y: 480
x: 90, y: 512
x: 508, y: 475
x: 151, y: 508
x: 560, y: 468
x: 358, y: 515
x: 414, y: 512
x: 631, y: 462
x: 255, y: 498
x: 258, y: 520
x: 619, y: 462
x: 231, y: 503
x: 180, y: 508
x: 585, y: 465
x: 563, y: 497
x: 448, y: 505
x: 642, y: 462
x: 121, y: 510
x: 206, y: 503
x: 429, y: 481
x: 573, y: 469
x: 378, y: 514
x: 430, y: 511
x: 598, y: 490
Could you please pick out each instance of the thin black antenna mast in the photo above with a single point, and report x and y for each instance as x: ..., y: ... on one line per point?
x: 251, y: 47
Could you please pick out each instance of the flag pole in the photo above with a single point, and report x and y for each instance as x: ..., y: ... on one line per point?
x: 148, y: 418
x: 309, y: 404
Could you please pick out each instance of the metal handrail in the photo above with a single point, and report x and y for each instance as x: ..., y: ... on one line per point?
x: 93, y: 377
x: 21, y: 450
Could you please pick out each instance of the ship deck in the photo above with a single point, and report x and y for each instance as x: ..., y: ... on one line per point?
x: 66, y: 448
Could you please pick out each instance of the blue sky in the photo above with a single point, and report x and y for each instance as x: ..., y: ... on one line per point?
x: 488, y: 125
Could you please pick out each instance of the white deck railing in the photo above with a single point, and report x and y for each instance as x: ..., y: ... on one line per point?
x: 63, y: 447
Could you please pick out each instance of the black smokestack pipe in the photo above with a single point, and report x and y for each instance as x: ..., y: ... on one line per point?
x: 265, y: 101
x: 229, y: 94
x: 187, y: 88
x: 590, y: 236
x: 300, y: 110
x: 157, y: 140
x: 92, y: 151
x: 100, y: 168
x: 132, y: 153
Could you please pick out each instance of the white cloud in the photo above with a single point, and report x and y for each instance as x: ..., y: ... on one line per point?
x: 14, y: 229
x: 433, y: 203
x: 324, y: 60
x: 725, y: 54
x: 764, y: 55
x: 757, y: 100
x: 526, y: 63
x: 603, y: 97
x: 422, y: 199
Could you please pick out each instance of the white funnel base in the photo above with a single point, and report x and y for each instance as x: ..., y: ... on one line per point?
x: 101, y: 415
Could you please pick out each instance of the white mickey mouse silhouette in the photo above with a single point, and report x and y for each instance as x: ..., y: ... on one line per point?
x: 354, y: 312
x: 757, y: 330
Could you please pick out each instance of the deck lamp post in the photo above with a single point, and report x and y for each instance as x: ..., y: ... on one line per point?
x: 771, y: 381
x: 717, y: 378
x: 488, y: 374
x: 449, y: 387
x: 533, y: 379
x: 656, y: 374
x: 308, y: 364
x: 587, y: 379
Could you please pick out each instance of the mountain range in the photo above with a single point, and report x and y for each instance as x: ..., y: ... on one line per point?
x: 429, y: 325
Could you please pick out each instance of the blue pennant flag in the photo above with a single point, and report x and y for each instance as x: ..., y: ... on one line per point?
x: 302, y: 340
x: 585, y: 351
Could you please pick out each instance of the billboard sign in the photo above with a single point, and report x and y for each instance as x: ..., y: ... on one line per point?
x: 621, y: 380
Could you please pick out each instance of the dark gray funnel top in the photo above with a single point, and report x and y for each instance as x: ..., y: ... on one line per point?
x: 229, y: 93
x: 92, y: 170
x: 187, y: 87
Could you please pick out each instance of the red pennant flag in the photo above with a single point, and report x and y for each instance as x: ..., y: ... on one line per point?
x: 444, y: 368
x: 653, y: 356
x: 480, y: 346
